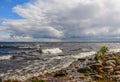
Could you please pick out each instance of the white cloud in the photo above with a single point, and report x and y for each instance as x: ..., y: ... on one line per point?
x: 66, y: 20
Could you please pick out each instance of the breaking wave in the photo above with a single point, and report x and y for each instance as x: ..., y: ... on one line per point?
x: 52, y: 51
x: 5, y: 57
x: 84, y: 54
x: 114, y: 50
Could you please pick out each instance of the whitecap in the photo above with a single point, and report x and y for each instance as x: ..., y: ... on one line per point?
x: 52, y: 51
x: 84, y: 54
x: 114, y: 50
x: 5, y: 57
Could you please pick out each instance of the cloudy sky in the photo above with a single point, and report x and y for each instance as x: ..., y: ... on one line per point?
x: 59, y: 20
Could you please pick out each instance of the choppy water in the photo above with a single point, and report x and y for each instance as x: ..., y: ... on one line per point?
x: 24, y: 60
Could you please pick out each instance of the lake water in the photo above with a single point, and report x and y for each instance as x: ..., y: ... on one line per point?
x: 21, y: 60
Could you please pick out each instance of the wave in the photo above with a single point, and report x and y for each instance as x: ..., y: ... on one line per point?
x: 25, y: 47
x: 114, y: 50
x: 52, y: 51
x: 5, y: 57
x: 84, y: 54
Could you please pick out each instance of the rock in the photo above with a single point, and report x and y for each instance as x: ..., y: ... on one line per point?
x: 109, y: 64
x: 108, y: 68
x: 81, y: 59
x: 94, y: 62
x: 111, y: 58
x: 98, y: 77
x: 117, y: 68
x: 111, y: 61
x: 84, y: 69
x: 92, y: 74
x: 97, y: 65
x: 117, y: 72
x: 1, y: 80
x: 60, y: 73
x: 115, y: 77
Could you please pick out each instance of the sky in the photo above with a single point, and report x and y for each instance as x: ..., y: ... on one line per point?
x: 59, y: 20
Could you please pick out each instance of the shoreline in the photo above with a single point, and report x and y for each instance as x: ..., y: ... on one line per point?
x: 69, y: 73
x: 106, y: 71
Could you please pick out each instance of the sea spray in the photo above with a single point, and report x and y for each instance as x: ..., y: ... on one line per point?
x: 114, y: 50
x: 52, y: 51
x: 5, y: 57
x: 83, y: 54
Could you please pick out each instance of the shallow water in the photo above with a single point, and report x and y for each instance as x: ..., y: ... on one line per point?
x: 26, y: 61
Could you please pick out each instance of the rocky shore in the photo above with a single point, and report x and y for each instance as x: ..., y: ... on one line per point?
x: 102, y: 67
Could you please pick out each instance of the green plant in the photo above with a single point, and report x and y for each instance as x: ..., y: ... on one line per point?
x: 39, y: 81
x: 97, y: 56
x: 104, y: 49
x: 118, y: 59
x: 40, y: 50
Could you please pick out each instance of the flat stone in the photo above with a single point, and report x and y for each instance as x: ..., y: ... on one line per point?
x: 60, y: 73
x: 98, y: 76
x: 115, y: 77
x: 83, y: 69
x: 109, y: 64
x: 111, y: 61
x: 112, y: 58
x: 108, y: 68
x: 97, y: 65
x: 93, y: 62
x: 117, y: 72
x: 117, y: 68
x: 81, y: 59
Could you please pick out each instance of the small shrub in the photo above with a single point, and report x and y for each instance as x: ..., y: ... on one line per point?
x: 97, y: 56
x: 104, y: 49
x: 118, y: 60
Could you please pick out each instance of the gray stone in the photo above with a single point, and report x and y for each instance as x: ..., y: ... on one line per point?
x: 60, y: 73
x: 117, y: 72
x: 117, y: 68
x: 98, y: 76
x: 84, y: 69
x: 115, y: 77
x: 111, y: 61
x: 108, y: 68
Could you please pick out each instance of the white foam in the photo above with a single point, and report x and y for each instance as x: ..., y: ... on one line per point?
x: 5, y: 57
x: 52, y: 51
x: 114, y: 50
x: 84, y: 54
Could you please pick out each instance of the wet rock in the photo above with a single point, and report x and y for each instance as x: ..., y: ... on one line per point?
x: 111, y: 58
x: 98, y: 77
x: 109, y: 64
x: 81, y: 59
x: 60, y: 73
x: 94, y: 62
x: 117, y: 72
x: 96, y: 65
x: 84, y: 69
x: 117, y: 68
x: 116, y: 77
x: 108, y: 68
x: 111, y: 61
